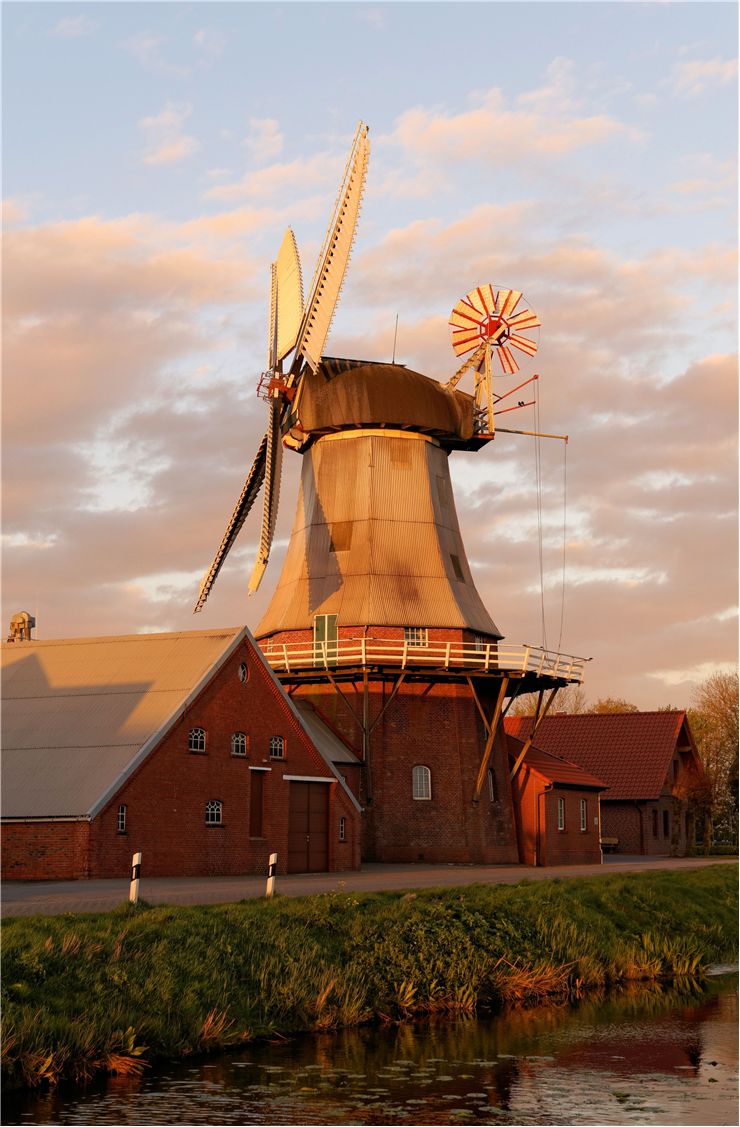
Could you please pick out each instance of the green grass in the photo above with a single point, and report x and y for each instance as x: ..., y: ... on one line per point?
x: 110, y: 992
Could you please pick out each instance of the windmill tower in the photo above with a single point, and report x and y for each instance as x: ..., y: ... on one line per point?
x: 376, y: 625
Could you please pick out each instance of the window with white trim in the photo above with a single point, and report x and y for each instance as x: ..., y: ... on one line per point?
x: 480, y: 643
x: 243, y: 672
x: 342, y: 829
x: 238, y: 743
x: 121, y: 822
x: 561, y: 813
x: 491, y: 785
x: 277, y: 747
x: 214, y: 812
x: 584, y: 816
x: 416, y: 635
x: 197, y: 739
x: 421, y: 783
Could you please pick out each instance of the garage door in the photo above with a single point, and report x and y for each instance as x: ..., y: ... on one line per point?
x: 308, y: 828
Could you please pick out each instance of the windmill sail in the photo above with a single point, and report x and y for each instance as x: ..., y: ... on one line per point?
x: 289, y: 294
x: 247, y: 497
x: 332, y: 263
x: 273, y: 467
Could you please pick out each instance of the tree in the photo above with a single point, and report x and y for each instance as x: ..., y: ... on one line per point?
x: 612, y: 704
x: 714, y: 723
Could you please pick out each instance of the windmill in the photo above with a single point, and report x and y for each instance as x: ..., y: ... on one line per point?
x: 302, y: 330
x: 375, y: 624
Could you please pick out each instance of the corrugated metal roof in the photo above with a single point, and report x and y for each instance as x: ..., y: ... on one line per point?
x: 630, y: 751
x: 376, y: 540
x: 322, y: 736
x: 77, y: 712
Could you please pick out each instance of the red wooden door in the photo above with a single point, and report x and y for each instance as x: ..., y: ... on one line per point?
x: 308, y: 828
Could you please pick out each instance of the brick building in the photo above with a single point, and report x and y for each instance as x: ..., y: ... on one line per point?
x: 648, y: 761
x: 557, y: 809
x: 182, y: 746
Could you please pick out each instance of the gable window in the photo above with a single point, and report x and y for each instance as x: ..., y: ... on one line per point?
x: 197, y: 740
x: 238, y: 743
x: 342, y: 829
x: 561, y: 813
x: 243, y: 673
x: 121, y: 819
x: 421, y: 783
x: 416, y: 635
x: 214, y: 812
x: 277, y: 747
x: 491, y: 785
x: 584, y: 816
x: 666, y: 827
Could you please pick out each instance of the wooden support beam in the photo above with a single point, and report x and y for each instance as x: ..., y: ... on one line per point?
x: 388, y: 703
x: 478, y: 705
x: 540, y: 715
x: 491, y: 736
x: 344, y: 698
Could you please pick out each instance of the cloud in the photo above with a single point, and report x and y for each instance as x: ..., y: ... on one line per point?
x: 284, y: 180
x: 148, y: 50
x: 265, y: 141
x: 168, y: 142
x: 209, y: 44
x: 72, y: 27
x: 14, y: 212
x: 692, y: 77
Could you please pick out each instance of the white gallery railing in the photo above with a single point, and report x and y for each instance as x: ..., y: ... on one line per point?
x: 453, y: 656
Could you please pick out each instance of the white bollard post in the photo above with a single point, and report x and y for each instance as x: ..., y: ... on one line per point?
x: 133, y: 892
x: 271, y: 871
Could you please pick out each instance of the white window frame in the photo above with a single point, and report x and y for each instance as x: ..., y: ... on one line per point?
x: 421, y: 783
x: 342, y: 829
x: 243, y: 672
x: 121, y: 818
x: 239, y: 744
x: 277, y: 747
x: 584, y: 815
x: 214, y: 812
x: 417, y: 636
x: 197, y: 740
x: 561, y: 813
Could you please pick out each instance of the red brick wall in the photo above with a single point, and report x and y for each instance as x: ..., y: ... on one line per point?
x: 45, y: 850
x: 540, y: 840
x: 166, y: 797
x: 623, y: 820
x: 438, y: 727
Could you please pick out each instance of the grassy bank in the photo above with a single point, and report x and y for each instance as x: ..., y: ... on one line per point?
x: 114, y: 990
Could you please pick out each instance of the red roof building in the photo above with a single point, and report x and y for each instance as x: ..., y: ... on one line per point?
x: 647, y: 760
x: 556, y: 808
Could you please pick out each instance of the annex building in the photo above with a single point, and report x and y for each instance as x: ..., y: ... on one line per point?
x: 649, y: 763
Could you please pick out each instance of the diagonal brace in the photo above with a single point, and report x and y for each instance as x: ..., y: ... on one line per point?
x: 539, y: 716
x: 492, y: 729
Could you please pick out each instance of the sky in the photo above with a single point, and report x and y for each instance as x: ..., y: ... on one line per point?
x: 583, y: 153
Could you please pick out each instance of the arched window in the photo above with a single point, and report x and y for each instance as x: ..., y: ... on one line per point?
x: 238, y: 743
x: 277, y: 747
x: 421, y: 782
x: 214, y: 812
x: 243, y: 672
x: 197, y: 739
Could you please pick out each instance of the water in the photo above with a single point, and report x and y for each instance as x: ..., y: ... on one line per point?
x: 640, y: 1056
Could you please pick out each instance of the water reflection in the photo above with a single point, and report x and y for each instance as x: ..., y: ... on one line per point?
x: 635, y: 1057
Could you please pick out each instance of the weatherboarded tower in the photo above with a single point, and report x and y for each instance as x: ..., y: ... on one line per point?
x: 376, y: 627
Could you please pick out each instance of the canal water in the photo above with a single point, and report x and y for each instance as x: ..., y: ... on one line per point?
x: 637, y: 1056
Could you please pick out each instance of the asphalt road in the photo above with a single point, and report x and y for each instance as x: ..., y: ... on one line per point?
x: 54, y: 898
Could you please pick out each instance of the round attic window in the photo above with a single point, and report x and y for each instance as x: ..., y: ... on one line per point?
x: 243, y: 672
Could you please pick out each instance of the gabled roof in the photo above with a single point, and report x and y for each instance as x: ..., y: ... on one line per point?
x: 79, y: 715
x: 553, y: 768
x: 630, y: 751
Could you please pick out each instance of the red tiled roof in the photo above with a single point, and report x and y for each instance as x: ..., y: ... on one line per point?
x: 630, y: 751
x: 554, y: 768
